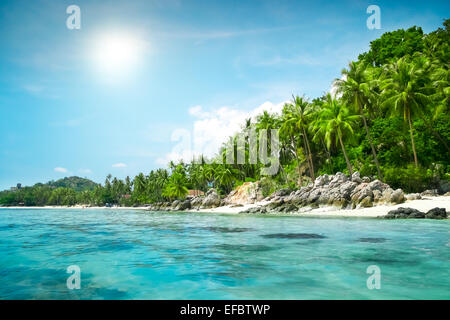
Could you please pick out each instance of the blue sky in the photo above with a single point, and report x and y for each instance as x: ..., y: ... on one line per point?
x: 199, y: 64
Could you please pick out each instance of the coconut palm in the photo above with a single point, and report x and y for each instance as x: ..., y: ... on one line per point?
x: 404, y: 92
x: 335, y: 123
x: 355, y: 89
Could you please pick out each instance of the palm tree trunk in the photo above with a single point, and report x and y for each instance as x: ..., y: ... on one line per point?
x: 300, y: 180
x: 311, y: 164
x: 326, y: 152
x: 349, y: 166
x: 374, y: 153
x: 412, y: 138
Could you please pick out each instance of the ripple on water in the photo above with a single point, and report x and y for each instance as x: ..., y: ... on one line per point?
x: 293, y: 236
x: 226, y: 229
x: 372, y: 240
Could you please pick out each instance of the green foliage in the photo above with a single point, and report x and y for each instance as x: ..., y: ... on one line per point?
x: 392, y: 110
x: 394, y: 45
x: 75, y: 183
x: 412, y: 179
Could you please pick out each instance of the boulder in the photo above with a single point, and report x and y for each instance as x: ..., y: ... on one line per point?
x: 356, y: 177
x: 321, y: 180
x: 403, y: 213
x: 413, y: 196
x: 197, y: 201
x: 249, y: 192
x: 365, y: 179
x: 183, y: 205
x: 436, y: 213
x: 410, y: 213
x: 430, y: 193
x: 397, y: 197
x: 211, y: 200
x: 366, y: 202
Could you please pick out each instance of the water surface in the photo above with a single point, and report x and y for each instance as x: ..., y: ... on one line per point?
x: 127, y: 254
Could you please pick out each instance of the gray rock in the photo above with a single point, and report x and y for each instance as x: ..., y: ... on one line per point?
x: 413, y: 196
x: 430, y: 193
x: 397, y: 197
x: 211, y: 200
x: 366, y: 202
x: 183, y: 205
x: 321, y: 180
x: 436, y: 213
x: 356, y: 177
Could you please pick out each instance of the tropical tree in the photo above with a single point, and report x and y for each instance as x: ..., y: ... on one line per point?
x: 336, y: 123
x: 404, y: 88
x: 355, y: 89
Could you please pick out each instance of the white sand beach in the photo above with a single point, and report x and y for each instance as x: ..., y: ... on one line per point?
x: 423, y: 204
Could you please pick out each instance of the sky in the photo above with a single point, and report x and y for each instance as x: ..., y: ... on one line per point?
x: 143, y: 79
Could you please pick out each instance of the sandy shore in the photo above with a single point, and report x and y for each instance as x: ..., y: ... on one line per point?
x: 424, y: 205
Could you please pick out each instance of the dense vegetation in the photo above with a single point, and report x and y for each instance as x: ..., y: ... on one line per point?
x: 389, y: 119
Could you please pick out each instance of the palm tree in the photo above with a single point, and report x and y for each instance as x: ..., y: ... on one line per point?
x: 336, y: 123
x: 288, y: 129
x: 404, y: 92
x: 355, y: 89
x: 302, y: 109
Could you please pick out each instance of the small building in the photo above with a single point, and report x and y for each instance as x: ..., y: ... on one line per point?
x: 195, y: 193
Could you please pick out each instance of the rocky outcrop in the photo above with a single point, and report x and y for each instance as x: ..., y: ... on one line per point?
x: 249, y: 192
x: 211, y: 200
x: 337, y: 190
x: 410, y: 213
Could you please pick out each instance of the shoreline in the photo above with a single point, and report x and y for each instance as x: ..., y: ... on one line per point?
x: 424, y: 204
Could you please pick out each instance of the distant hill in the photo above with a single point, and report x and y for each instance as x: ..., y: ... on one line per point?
x: 76, y: 183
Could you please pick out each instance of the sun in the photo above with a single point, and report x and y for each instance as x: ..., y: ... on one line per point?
x: 117, y: 54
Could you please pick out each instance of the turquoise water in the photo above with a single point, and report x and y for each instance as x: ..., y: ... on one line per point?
x: 141, y: 255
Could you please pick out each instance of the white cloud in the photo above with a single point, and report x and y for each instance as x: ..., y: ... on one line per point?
x: 85, y: 171
x: 60, y: 170
x: 211, y: 129
x: 119, y: 165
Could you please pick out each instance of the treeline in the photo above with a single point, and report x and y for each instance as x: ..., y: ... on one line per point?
x: 389, y: 118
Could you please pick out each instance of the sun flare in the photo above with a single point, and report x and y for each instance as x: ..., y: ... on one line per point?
x: 117, y: 53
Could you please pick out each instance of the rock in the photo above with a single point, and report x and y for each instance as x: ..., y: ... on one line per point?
x: 436, y: 213
x: 403, y: 213
x: 313, y: 196
x: 377, y: 196
x: 175, y: 204
x: 366, y: 202
x: 254, y: 210
x: 321, y: 180
x: 356, y: 177
x: 410, y: 213
x: 211, y: 200
x: 447, y: 194
x: 183, y: 205
x: 281, y: 193
x: 365, y: 179
x: 236, y: 205
x: 197, y: 201
x: 430, y: 193
x: 397, y: 197
x: 413, y: 196
x: 290, y: 208
x: 249, y: 192
x: 416, y: 214
x: 338, y: 179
